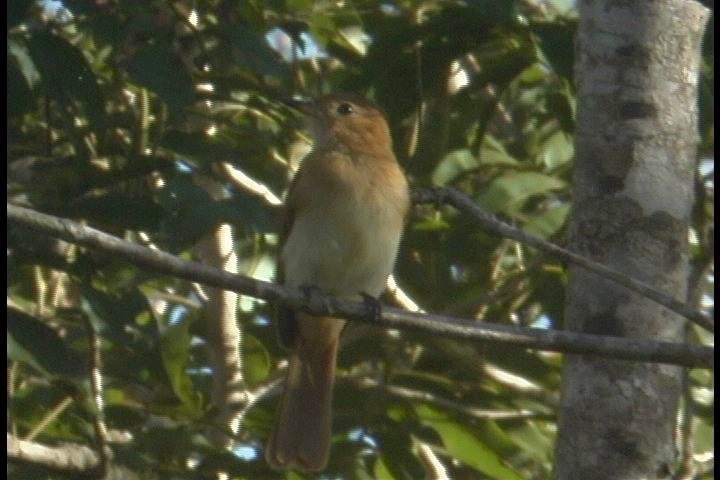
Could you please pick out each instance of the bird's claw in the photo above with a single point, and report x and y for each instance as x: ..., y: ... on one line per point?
x: 311, y: 293
x: 373, y: 307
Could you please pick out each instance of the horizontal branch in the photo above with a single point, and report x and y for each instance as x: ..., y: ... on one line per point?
x: 73, y: 459
x: 320, y: 304
x: 69, y: 457
x: 491, y: 223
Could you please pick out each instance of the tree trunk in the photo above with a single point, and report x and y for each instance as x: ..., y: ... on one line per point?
x: 637, y: 67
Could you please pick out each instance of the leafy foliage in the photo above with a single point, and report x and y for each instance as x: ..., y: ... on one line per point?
x: 114, y: 110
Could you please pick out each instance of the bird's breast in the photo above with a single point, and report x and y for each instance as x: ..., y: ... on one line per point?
x: 346, y: 239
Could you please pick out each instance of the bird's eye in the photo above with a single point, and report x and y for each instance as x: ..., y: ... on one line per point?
x: 344, y: 109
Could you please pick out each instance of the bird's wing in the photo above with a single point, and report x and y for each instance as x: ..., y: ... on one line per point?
x: 295, y: 200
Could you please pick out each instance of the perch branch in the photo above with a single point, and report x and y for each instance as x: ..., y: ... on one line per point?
x: 635, y: 349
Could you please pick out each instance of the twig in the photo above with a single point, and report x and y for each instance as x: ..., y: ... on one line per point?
x: 318, y: 304
x: 427, y: 397
x: 403, y: 299
x: 492, y: 224
x: 436, y: 470
x: 261, y: 391
x: 49, y: 418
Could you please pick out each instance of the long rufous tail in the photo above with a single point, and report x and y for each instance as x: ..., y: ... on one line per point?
x: 301, y: 438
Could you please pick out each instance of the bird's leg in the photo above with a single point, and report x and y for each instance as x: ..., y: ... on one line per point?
x: 373, y: 307
x: 311, y: 293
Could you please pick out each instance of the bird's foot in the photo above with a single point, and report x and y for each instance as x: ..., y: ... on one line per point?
x: 311, y: 293
x: 373, y: 308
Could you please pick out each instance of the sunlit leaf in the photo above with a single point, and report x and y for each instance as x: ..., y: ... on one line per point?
x: 556, y: 151
x: 454, y: 164
x: 256, y: 360
x: 465, y: 446
x: 508, y: 192
x: 533, y: 440
x: 493, y: 153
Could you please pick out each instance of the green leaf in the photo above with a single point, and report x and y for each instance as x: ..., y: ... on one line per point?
x: 533, y: 441
x: 83, y: 7
x: 395, y: 445
x: 556, y: 151
x: 198, y: 147
x: 175, y: 351
x: 557, y: 45
x: 109, y: 314
x: 453, y: 165
x: 17, y: 11
x: 132, y: 211
x: 19, y: 96
x: 161, y: 70
x: 460, y: 443
x: 548, y: 223
x: 256, y: 360
x: 704, y: 438
x: 191, y: 212
x: 250, y: 212
x: 562, y: 106
x: 564, y: 7
x: 493, y: 153
x: 381, y: 470
x: 34, y: 343
x: 252, y: 52
x: 250, y: 143
x: 433, y: 224
x: 508, y: 193
x: 67, y: 76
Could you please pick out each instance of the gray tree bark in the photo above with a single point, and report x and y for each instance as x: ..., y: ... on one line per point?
x: 637, y: 67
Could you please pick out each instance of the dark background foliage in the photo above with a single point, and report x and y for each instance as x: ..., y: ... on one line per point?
x: 115, y: 106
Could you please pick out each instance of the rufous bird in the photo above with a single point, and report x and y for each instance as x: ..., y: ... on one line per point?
x: 344, y: 215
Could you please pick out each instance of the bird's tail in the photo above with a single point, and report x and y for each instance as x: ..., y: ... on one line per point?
x: 301, y: 438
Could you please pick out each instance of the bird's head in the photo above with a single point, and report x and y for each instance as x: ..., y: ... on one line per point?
x: 346, y: 121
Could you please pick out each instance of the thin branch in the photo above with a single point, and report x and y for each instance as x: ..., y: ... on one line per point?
x: 249, y: 398
x: 11, y: 382
x: 96, y: 387
x: 435, y: 468
x: 319, y: 304
x: 491, y: 223
x: 242, y: 180
x: 224, y: 335
x: 261, y: 391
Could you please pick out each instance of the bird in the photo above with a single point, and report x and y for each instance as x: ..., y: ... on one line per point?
x: 343, y: 219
